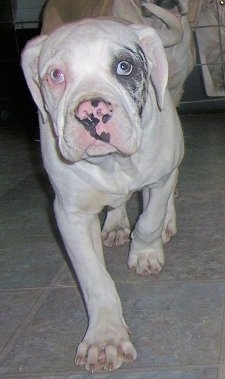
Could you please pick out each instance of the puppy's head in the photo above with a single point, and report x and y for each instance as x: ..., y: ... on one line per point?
x: 93, y: 79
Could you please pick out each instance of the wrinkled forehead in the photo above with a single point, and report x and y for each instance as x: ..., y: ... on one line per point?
x: 88, y: 36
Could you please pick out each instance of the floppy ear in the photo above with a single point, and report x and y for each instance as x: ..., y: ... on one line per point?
x: 155, y: 53
x: 29, y: 62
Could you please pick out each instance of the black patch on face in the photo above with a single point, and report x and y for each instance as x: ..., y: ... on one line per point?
x: 136, y: 82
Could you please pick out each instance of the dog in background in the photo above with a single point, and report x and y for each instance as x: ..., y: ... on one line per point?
x: 210, y: 33
x: 182, y: 55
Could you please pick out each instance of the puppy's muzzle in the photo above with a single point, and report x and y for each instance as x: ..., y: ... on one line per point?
x: 93, y: 114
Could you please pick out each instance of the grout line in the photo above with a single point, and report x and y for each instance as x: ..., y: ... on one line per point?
x: 143, y: 282
x: 34, y: 309
x: 222, y: 349
x: 122, y: 370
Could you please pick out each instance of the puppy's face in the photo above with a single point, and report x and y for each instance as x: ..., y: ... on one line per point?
x: 94, y: 81
x: 95, y: 89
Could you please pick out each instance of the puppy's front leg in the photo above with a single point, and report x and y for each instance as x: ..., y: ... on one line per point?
x: 146, y: 252
x: 106, y: 343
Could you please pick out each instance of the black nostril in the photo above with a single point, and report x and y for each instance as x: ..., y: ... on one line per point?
x: 91, y: 121
x: 89, y: 124
x: 95, y: 102
x: 106, y: 118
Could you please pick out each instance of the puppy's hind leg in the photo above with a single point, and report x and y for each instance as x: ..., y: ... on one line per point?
x: 146, y: 250
x: 116, y: 229
x: 170, y: 221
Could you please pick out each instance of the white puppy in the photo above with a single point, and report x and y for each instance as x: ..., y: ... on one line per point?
x: 108, y: 128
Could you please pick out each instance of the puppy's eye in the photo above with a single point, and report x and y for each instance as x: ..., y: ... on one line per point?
x: 124, y: 68
x: 57, y: 76
x: 222, y: 2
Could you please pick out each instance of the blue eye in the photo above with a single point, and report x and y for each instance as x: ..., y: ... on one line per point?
x: 124, y: 68
x: 57, y: 76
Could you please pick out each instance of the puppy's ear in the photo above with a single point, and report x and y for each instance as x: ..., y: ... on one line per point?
x: 154, y: 51
x: 29, y: 62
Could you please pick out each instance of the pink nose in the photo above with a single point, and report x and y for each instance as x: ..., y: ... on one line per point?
x: 94, y: 109
x: 94, y: 112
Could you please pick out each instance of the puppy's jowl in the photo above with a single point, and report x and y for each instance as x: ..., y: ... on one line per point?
x: 108, y: 128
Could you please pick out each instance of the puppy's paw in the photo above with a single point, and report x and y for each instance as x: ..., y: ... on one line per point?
x: 149, y: 261
x: 105, y: 351
x: 116, y: 229
x: 116, y: 237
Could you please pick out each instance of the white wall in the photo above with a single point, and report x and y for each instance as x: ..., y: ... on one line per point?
x: 28, y: 13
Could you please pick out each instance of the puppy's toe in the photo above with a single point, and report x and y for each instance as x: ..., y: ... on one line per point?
x: 109, y: 358
x: 168, y: 232
x: 116, y: 237
x: 147, y: 262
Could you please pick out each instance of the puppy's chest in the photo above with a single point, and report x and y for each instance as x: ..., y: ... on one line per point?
x: 117, y: 177
x: 109, y: 184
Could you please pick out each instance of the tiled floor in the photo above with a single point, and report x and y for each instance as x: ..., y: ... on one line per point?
x: 177, y: 319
